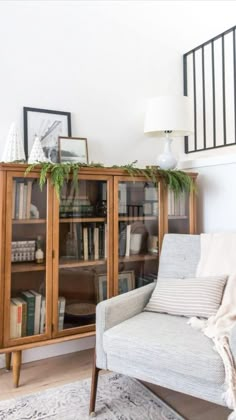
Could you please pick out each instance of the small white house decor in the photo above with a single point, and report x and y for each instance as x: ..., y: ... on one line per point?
x: 37, y: 154
x: 14, y: 149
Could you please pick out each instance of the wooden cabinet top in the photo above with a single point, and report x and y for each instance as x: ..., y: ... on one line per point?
x: 20, y: 167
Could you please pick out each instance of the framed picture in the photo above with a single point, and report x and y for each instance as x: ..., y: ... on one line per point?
x: 48, y: 126
x: 126, y: 283
x: 73, y: 149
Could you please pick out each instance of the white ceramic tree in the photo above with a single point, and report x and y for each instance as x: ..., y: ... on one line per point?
x: 36, y: 154
x: 14, y: 149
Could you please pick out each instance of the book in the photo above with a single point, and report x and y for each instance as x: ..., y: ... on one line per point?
x: 17, y: 199
x: 122, y: 239
x: 38, y: 299
x: 30, y: 300
x: 74, y: 233
x: 85, y: 243
x: 61, y: 312
x: 16, y: 319
x: 42, y: 315
x: 21, y: 200
x: 25, y: 200
x: 13, y: 199
x: 105, y: 240
x: 13, y: 320
x: 79, y: 229
x: 96, y: 243
x: 122, y: 195
x: 90, y: 242
x: 101, y: 234
x: 128, y: 233
x: 29, y: 196
x: 22, y: 315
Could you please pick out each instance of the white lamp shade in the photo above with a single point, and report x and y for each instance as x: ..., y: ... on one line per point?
x: 169, y: 113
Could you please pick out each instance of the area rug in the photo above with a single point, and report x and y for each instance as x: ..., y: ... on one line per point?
x: 118, y: 398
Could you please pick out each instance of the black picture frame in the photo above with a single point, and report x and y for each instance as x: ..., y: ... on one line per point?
x: 28, y: 131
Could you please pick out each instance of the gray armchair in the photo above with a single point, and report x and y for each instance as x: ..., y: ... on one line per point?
x: 159, y: 348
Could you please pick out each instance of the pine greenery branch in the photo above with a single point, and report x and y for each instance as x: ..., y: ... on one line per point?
x: 176, y: 180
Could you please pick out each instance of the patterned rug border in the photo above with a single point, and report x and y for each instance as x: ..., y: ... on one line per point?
x: 174, y: 415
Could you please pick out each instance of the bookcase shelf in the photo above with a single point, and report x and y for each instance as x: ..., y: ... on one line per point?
x: 173, y: 217
x: 28, y: 221
x: 27, y: 266
x: 120, y: 223
x: 82, y: 219
x: 144, y: 257
x: 134, y: 218
x: 76, y: 263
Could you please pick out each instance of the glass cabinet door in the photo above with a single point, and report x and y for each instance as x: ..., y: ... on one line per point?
x: 83, y: 255
x: 137, y: 234
x: 28, y: 248
x: 178, y: 212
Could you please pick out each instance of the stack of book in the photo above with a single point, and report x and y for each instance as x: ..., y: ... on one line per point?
x: 146, y: 279
x: 28, y: 314
x: 23, y: 251
x: 21, y: 199
x: 75, y: 207
x: 176, y: 204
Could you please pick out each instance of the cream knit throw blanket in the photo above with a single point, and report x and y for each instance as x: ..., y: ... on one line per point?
x: 218, y: 257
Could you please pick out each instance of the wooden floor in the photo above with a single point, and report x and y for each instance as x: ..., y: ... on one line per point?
x: 37, y: 376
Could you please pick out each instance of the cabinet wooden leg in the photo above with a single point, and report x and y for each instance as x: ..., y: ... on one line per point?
x: 16, y: 367
x: 8, y: 361
x: 94, y: 384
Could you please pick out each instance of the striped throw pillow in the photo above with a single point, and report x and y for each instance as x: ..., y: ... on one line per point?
x: 200, y: 296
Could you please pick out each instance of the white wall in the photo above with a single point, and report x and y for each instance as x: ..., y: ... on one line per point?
x: 100, y: 61
x: 216, y: 199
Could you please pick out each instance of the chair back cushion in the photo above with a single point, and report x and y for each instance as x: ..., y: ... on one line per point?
x: 179, y: 256
x: 199, y: 296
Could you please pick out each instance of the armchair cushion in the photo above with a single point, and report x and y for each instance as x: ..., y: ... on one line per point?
x: 189, y: 297
x: 152, y: 341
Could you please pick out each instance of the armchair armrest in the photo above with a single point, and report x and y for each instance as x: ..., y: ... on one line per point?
x: 232, y: 342
x: 116, y: 310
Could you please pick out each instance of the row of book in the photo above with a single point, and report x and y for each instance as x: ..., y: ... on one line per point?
x: 23, y: 251
x: 148, y: 208
x: 28, y: 314
x: 21, y: 199
x: 176, y: 204
x: 90, y: 241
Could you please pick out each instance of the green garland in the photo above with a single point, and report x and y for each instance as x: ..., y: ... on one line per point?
x: 177, y: 181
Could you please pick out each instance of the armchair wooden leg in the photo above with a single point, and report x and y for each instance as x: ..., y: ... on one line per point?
x: 16, y: 367
x: 94, y: 384
x: 8, y: 361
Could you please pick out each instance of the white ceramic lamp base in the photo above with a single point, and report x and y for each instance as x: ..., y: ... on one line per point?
x: 167, y: 160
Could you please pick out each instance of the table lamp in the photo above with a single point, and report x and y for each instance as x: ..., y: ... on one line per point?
x: 169, y: 116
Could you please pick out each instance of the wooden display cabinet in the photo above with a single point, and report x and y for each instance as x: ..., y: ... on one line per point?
x: 101, y: 239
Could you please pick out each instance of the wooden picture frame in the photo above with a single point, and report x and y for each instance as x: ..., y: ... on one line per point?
x: 48, y: 125
x: 126, y: 283
x: 73, y: 149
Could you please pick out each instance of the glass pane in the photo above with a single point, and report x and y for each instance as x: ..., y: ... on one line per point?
x: 28, y: 250
x: 82, y: 252
x: 138, y: 234
x: 178, y: 213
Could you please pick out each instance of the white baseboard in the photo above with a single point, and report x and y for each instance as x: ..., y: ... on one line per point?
x: 39, y: 353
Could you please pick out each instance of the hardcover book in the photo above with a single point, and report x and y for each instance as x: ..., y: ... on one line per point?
x: 38, y: 300
x: 30, y: 300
